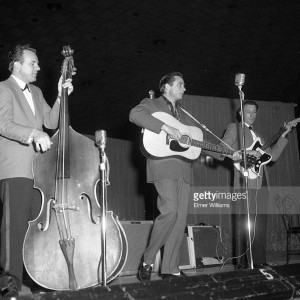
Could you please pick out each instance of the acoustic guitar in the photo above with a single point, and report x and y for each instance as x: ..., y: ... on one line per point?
x: 189, y: 146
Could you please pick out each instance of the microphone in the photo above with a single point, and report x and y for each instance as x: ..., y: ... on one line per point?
x: 239, y: 79
x: 151, y: 94
x: 101, y: 138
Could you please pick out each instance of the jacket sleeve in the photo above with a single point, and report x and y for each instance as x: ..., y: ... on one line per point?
x: 277, y: 149
x: 230, y: 137
x: 50, y: 115
x: 141, y: 116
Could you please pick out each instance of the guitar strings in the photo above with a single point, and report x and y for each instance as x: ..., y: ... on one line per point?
x: 204, y: 127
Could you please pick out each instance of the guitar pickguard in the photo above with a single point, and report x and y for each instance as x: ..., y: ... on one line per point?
x: 254, y: 168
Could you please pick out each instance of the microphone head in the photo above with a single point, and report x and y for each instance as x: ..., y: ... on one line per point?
x: 151, y: 94
x: 239, y: 79
x: 100, y: 137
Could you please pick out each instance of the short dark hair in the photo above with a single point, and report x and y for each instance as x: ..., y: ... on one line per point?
x: 247, y: 102
x: 250, y: 102
x: 168, y: 79
x: 16, y: 54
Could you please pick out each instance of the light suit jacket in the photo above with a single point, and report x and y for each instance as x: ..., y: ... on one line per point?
x: 16, y: 124
x: 233, y: 137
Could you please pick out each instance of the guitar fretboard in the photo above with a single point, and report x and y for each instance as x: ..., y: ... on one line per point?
x: 273, y: 139
x: 211, y: 147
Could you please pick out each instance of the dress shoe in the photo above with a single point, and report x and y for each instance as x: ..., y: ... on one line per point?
x: 144, y: 274
x: 180, y: 275
x: 37, y: 289
x: 9, y: 291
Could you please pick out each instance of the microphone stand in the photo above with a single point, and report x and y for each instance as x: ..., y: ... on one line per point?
x: 100, y: 141
x: 245, y: 172
x: 103, y: 211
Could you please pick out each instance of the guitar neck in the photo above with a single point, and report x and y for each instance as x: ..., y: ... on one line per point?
x: 273, y: 139
x: 211, y: 147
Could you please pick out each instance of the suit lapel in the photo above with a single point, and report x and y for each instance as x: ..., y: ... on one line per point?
x: 19, y: 96
x: 163, y: 106
x: 37, y: 106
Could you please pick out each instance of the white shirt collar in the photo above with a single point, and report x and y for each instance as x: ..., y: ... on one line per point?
x: 20, y: 82
x: 248, y: 125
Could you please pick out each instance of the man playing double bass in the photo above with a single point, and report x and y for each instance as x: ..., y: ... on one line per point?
x: 23, y: 112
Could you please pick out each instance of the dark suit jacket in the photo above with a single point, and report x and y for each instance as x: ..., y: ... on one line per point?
x: 16, y: 124
x: 233, y: 137
x: 172, y: 167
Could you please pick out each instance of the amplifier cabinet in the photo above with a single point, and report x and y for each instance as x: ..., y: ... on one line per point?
x: 185, y: 260
x: 204, y: 245
x: 138, y: 235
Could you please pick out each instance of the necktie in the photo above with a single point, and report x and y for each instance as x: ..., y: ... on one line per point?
x: 26, y: 87
x: 173, y: 109
x: 250, y: 128
x: 28, y: 97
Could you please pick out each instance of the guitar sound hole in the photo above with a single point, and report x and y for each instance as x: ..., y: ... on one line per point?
x: 175, y: 146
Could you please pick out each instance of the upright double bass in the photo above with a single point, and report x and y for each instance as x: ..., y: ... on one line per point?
x: 62, y: 246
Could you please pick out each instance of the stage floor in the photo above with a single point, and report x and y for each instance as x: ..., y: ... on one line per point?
x: 273, y: 259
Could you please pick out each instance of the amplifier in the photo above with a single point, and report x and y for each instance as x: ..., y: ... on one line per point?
x: 184, y: 255
x: 138, y: 235
x: 204, y: 246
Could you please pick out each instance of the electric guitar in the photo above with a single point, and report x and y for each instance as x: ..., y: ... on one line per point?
x: 265, y: 158
x: 189, y: 146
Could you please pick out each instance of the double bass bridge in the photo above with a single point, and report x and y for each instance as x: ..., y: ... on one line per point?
x: 59, y: 208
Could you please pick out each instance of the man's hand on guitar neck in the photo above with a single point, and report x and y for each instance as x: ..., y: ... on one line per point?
x: 288, y: 130
x: 237, y: 155
x: 171, y: 131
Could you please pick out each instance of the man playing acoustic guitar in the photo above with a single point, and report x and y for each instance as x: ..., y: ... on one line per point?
x: 171, y: 176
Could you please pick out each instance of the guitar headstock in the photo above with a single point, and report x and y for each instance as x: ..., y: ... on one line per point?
x: 292, y: 123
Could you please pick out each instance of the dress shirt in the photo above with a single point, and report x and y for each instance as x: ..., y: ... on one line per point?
x: 254, y: 136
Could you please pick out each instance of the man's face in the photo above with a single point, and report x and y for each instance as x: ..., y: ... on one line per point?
x: 28, y: 68
x: 176, y: 90
x: 250, y: 114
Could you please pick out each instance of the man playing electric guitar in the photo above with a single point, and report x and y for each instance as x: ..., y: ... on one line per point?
x: 257, y: 196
